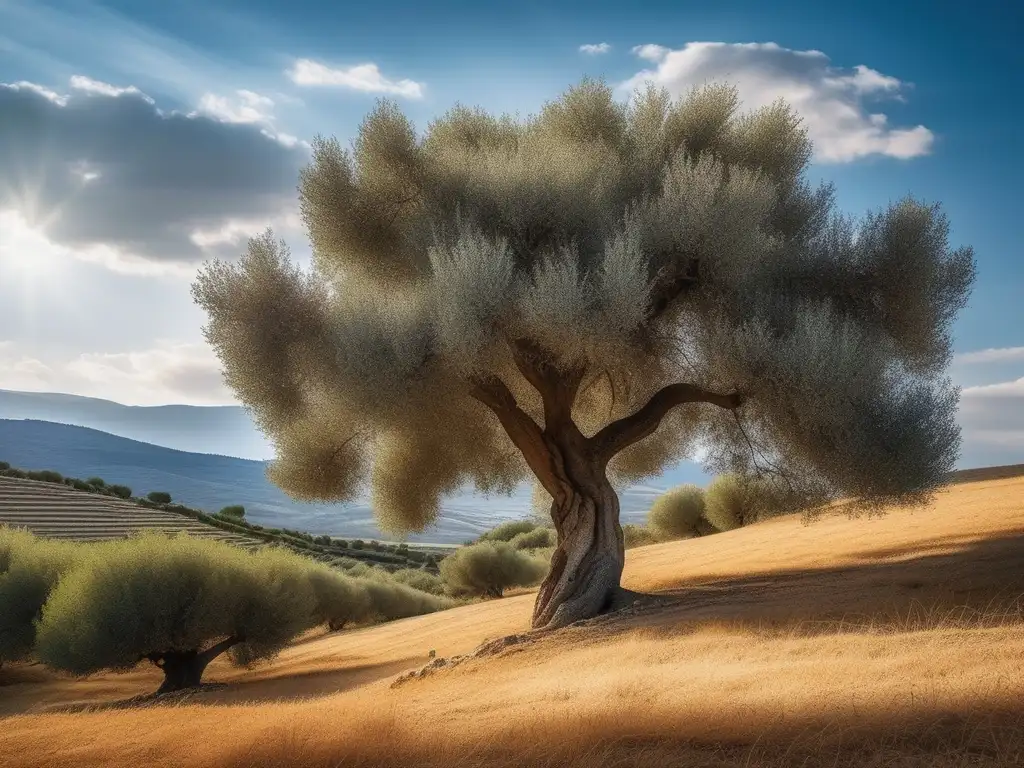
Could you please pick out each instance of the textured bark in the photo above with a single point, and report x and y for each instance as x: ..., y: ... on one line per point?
x: 588, y: 560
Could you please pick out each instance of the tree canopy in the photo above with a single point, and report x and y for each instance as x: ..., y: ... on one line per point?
x: 499, y: 298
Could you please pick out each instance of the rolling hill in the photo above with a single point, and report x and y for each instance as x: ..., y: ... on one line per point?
x: 59, y: 512
x: 224, y: 429
x: 891, y: 641
x: 209, y: 482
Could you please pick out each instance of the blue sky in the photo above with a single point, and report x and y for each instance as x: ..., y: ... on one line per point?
x: 131, y: 183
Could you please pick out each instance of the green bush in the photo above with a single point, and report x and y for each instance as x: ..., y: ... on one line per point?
x: 638, y: 536
x: 728, y: 502
x: 340, y: 599
x: 509, y: 530
x: 677, y: 513
x: 341, y: 543
x: 419, y: 579
x: 158, y: 497
x: 19, y: 473
x: 538, y: 538
x: 489, y: 568
x: 177, y: 601
x: 4, y: 465
x: 414, y: 555
x: 358, y: 544
x: 121, y: 491
x: 96, y: 482
x: 233, y: 510
x: 78, y: 485
x: 324, y: 540
x: 30, y: 568
x: 397, y: 601
x: 46, y: 476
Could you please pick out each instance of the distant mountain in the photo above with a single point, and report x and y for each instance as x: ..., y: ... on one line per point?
x: 210, y: 482
x: 226, y: 430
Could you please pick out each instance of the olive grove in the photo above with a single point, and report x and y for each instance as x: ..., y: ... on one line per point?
x: 584, y: 297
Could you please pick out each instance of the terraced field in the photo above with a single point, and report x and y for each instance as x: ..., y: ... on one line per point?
x: 59, y: 512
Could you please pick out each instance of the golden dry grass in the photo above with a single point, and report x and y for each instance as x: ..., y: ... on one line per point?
x: 894, y: 641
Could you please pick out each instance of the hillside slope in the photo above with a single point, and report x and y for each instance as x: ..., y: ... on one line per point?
x: 56, y: 511
x: 222, y: 429
x: 210, y: 482
x: 892, y: 641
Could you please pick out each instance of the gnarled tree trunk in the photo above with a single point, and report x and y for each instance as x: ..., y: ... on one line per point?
x: 588, y: 560
x: 184, y: 669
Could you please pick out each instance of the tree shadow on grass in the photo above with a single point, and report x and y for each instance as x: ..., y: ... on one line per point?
x: 287, y: 687
x: 978, y: 583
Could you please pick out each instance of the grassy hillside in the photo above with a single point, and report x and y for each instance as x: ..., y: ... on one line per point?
x: 58, y: 512
x: 892, y: 641
x: 205, y: 481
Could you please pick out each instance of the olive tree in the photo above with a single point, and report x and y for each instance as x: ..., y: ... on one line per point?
x: 30, y: 568
x: 584, y: 297
x: 177, y: 602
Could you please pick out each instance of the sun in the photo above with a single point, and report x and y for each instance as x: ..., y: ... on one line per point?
x: 26, y: 254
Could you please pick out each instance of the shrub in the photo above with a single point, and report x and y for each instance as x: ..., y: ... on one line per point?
x: 78, y: 485
x: 509, y: 530
x: 489, y: 568
x: 415, y: 556
x: 419, y: 579
x: 4, y: 465
x: 158, y: 497
x: 30, y: 568
x: 341, y: 543
x: 96, y: 482
x: 538, y: 538
x: 233, y: 510
x: 677, y: 513
x: 325, y: 540
x: 358, y: 544
x: 339, y: 598
x: 121, y: 491
x: 727, y: 502
x: 638, y: 536
x: 46, y: 475
x: 397, y: 601
x: 177, y: 601
x: 19, y: 473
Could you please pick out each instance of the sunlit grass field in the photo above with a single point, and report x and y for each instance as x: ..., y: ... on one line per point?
x: 891, y: 641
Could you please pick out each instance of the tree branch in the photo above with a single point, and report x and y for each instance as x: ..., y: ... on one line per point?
x: 216, y: 650
x: 621, y: 434
x: 671, y: 283
x: 557, y: 388
x: 524, y: 432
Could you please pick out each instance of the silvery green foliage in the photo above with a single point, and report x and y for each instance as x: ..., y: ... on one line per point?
x: 434, y: 255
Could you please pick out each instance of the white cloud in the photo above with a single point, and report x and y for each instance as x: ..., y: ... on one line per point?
x: 46, y: 93
x: 999, y: 355
x: 360, y: 77
x: 1000, y: 390
x: 244, y: 107
x: 26, y: 251
x: 830, y: 100
x: 595, y: 48
x: 650, y: 51
x: 105, y: 176
x: 88, y: 85
x: 168, y: 372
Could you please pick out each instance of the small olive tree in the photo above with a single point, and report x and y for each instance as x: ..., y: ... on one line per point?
x: 30, y: 568
x: 178, y: 602
x: 489, y: 568
x: 677, y: 512
x: 586, y: 296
